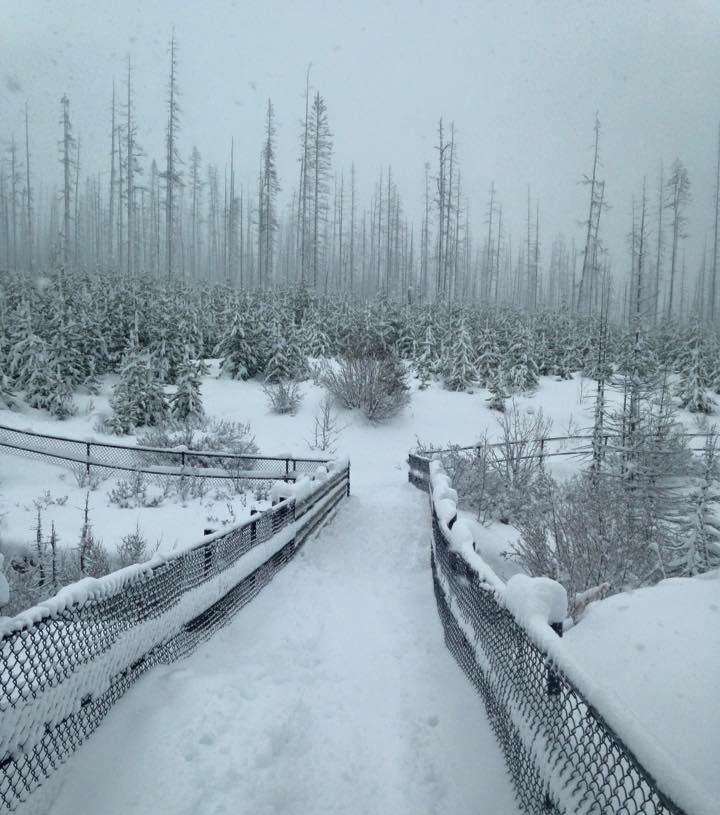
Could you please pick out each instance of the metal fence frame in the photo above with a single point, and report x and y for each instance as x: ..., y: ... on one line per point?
x: 64, y: 664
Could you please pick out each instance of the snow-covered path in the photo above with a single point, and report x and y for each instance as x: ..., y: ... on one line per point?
x: 332, y: 692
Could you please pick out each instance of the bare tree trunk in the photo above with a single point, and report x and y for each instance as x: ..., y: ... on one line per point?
x: 29, y: 213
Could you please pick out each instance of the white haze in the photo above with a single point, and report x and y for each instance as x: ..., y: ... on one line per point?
x: 521, y: 80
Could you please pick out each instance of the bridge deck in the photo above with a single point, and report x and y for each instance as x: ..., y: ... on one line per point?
x: 332, y: 692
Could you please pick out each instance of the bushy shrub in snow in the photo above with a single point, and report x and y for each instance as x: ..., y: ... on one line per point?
x: 584, y: 533
x: 133, y: 548
x: 376, y: 385
x: 210, y: 435
x: 283, y: 397
x: 134, y: 492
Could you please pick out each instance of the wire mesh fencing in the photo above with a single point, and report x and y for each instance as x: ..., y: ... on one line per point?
x: 230, y: 470
x: 562, y: 755
x: 466, y: 465
x: 65, y: 663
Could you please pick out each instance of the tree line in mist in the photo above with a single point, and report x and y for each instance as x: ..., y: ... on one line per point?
x: 179, y: 218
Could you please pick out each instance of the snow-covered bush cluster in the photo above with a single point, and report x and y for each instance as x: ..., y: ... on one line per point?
x: 58, y: 338
x: 643, y: 509
x: 207, y: 435
x: 376, y: 385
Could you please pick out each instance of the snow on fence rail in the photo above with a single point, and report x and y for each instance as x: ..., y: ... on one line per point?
x: 155, y: 461
x: 572, y: 749
x: 65, y: 662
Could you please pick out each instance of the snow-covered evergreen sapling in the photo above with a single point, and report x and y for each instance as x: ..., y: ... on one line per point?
x: 700, y: 550
x: 498, y: 393
x: 92, y: 557
x: 694, y: 379
x: 138, y: 398
x: 186, y: 404
x: 460, y: 372
x: 239, y: 361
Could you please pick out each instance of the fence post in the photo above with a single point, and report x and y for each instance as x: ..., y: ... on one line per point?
x: 182, y: 459
x: 347, y: 494
x: 287, y: 469
x: 542, y: 449
x: 253, y: 528
x: 87, y: 463
x: 553, y: 679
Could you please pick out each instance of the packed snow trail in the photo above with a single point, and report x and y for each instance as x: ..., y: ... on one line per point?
x: 332, y: 692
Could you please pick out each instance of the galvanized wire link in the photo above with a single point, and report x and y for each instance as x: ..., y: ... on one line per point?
x: 236, y: 470
x: 562, y: 755
x: 61, y: 673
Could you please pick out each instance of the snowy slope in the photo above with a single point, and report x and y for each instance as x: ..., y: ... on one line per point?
x: 658, y: 651
x: 434, y: 415
x: 332, y: 692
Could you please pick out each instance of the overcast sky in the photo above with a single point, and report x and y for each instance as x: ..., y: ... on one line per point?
x: 521, y: 80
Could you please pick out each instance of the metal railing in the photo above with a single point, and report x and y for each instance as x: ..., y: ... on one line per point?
x: 64, y: 663
x: 563, y: 755
x: 105, y: 457
x: 543, y: 448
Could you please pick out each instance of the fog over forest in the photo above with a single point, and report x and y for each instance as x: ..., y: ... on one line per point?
x: 518, y: 87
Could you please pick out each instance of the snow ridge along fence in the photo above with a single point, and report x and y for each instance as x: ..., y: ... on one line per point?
x: 65, y: 662
x: 105, y: 457
x: 571, y: 748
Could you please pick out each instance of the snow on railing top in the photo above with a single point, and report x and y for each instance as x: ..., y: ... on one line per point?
x: 66, y: 661
x: 537, y: 604
x: 99, y: 588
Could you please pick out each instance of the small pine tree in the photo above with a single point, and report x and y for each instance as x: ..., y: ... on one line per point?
x: 186, y: 403
x: 279, y: 367
x: 460, y: 371
x: 694, y: 379
x: 46, y: 389
x: 700, y: 541
x: 238, y: 358
x: 498, y: 394
x: 93, y: 559
x: 488, y: 357
x: 138, y: 398
x: 7, y: 399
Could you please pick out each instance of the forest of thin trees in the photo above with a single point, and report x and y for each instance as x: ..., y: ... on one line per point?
x: 179, y: 218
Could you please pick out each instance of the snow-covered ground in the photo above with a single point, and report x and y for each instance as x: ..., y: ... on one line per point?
x: 333, y: 692
x: 658, y: 650
x: 435, y: 416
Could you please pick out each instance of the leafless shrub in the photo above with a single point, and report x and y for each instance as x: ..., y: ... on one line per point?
x: 283, y: 397
x: 327, y: 428
x: 585, y: 533
x: 376, y: 385
x: 88, y: 479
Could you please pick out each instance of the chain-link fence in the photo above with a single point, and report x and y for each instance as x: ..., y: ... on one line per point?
x: 104, y: 458
x: 464, y: 462
x: 562, y: 754
x: 65, y: 663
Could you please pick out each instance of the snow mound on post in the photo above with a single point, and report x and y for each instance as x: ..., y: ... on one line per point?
x: 533, y: 599
x: 303, y: 486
